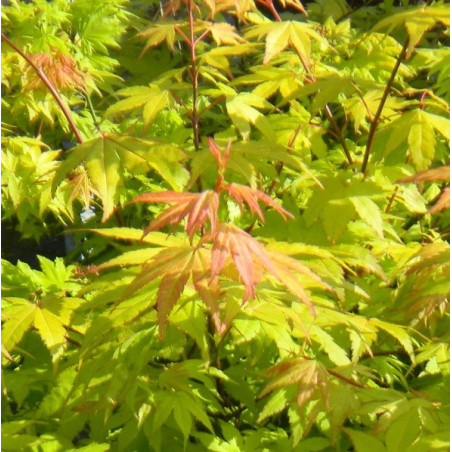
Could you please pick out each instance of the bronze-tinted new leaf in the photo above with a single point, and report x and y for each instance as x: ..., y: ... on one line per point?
x: 247, y: 254
x: 443, y: 201
x: 242, y: 193
x: 441, y: 173
x: 60, y: 69
x: 197, y: 207
x: 251, y: 260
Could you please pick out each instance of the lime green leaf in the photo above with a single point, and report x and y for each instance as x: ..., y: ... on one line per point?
x: 106, y: 157
x: 336, y: 354
x: 275, y: 404
x: 242, y: 111
x: 402, y: 433
x: 279, y: 35
x: 398, y: 333
x: 130, y: 258
x: 369, y: 212
x: 421, y: 141
x: 154, y: 238
x: 182, y: 415
x: 363, y: 442
x: 19, y: 320
x: 150, y: 99
x: 157, y: 33
x: 417, y: 21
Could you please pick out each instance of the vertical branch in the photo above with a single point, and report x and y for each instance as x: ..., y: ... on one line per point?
x: 269, y: 5
x: 50, y: 87
x: 194, y: 76
x: 333, y: 122
x: 376, y: 119
x: 339, y: 134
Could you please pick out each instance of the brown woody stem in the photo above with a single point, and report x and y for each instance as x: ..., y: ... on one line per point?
x: 269, y: 5
x: 194, y: 76
x: 41, y: 74
x: 340, y: 137
x: 391, y: 199
x: 347, y: 380
x: 376, y: 119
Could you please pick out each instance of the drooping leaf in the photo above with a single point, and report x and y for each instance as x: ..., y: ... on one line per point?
x: 417, y: 21
x: 242, y: 193
x: 197, y: 207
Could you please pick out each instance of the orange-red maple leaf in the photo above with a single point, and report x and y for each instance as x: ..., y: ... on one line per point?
x: 245, y: 251
x: 197, y: 207
x: 242, y: 193
x: 60, y: 69
x: 251, y: 260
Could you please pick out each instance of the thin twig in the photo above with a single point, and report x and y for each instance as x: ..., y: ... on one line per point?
x: 93, y: 113
x: 333, y: 122
x: 194, y: 75
x: 50, y: 87
x: 391, y: 199
x: 376, y: 119
x: 347, y: 380
x: 339, y: 134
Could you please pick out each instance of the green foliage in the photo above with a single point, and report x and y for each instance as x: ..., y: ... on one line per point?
x: 258, y: 198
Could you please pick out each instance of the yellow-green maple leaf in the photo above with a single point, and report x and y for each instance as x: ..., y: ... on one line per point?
x: 280, y: 35
x: 417, y: 21
x: 106, y: 157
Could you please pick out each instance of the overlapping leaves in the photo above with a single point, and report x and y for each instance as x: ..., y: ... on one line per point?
x: 106, y: 157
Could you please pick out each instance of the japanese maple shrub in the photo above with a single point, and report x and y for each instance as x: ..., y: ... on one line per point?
x: 257, y: 196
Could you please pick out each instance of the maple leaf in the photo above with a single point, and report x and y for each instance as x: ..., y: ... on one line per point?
x: 308, y: 373
x: 443, y: 201
x: 208, y: 288
x: 280, y: 35
x: 442, y: 173
x: 251, y: 260
x: 223, y: 33
x: 197, y: 207
x: 155, y: 35
x: 151, y: 99
x: 295, y: 4
x: 242, y: 193
x: 48, y: 316
x: 59, y: 68
x: 105, y: 158
x: 175, y: 265
x: 243, y: 110
x: 216, y: 152
x: 417, y: 21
